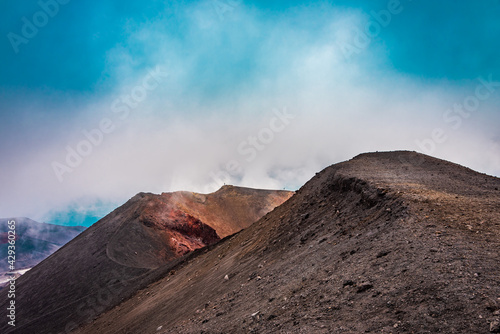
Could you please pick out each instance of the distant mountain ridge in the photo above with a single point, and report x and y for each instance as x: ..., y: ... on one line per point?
x: 34, y: 241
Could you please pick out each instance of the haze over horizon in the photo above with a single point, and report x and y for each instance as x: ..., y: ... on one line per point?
x: 101, y: 101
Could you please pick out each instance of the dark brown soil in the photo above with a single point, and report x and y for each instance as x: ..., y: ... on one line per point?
x: 384, y: 243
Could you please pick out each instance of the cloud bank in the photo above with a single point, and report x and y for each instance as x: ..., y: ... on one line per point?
x: 206, y: 93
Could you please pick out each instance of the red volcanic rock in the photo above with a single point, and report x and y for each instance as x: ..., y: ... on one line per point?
x: 185, y: 233
x: 194, y: 228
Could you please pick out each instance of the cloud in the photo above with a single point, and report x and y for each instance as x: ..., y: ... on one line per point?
x: 228, y: 76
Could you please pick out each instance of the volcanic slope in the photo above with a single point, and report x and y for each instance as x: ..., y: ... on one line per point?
x: 394, y: 242
x: 130, y: 247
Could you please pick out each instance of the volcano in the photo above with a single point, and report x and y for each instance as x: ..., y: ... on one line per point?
x: 131, y: 247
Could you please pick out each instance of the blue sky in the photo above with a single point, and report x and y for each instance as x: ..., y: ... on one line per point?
x: 355, y: 76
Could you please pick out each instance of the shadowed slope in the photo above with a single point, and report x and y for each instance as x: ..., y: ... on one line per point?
x: 384, y: 243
